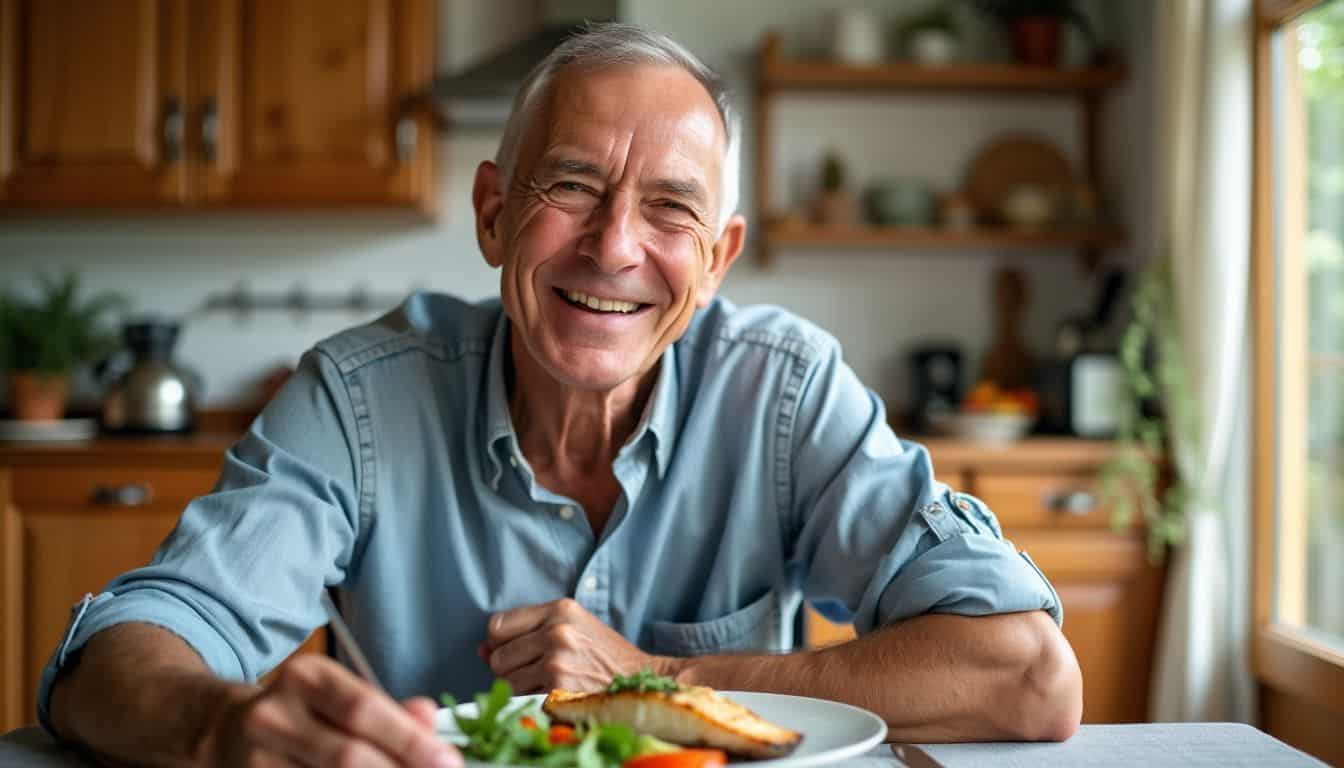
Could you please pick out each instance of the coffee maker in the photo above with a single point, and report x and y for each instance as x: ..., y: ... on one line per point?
x: 935, y: 382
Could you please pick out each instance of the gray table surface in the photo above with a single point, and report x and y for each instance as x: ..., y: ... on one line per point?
x: 1184, y: 744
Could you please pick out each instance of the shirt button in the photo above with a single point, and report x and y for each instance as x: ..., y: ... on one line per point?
x: 513, y: 460
x: 590, y: 583
x: 566, y: 512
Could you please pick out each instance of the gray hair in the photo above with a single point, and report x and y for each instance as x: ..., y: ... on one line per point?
x: 614, y: 44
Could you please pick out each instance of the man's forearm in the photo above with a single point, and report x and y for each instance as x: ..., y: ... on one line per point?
x: 932, y: 678
x: 140, y: 694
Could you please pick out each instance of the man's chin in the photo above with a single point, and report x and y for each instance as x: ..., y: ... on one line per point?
x: 596, y: 380
x: 596, y: 373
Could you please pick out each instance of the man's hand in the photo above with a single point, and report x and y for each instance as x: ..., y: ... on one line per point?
x: 560, y: 645
x: 317, y: 713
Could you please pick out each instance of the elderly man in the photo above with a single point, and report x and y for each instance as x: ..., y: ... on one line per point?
x: 607, y: 469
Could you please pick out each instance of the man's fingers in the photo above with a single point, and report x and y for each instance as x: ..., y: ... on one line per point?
x: 538, y: 677
x: 507, y: 625
x: 352, y: 705
x: 519, y: 652
x: 422, y: 709
x: 287, y: 734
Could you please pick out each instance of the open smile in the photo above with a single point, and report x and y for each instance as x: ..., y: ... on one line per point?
x: 600, y: 305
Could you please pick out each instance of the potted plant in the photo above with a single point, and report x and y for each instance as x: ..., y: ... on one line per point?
x: 1034, y: 26
x: 836, y: 206
x: 43, y: 339
x: 931, y: 37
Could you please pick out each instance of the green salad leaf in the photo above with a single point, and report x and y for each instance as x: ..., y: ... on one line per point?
x: 644, y: 681
x: 498, y: 734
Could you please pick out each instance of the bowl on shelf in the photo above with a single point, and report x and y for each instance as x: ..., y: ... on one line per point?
x: 984, y: 426
x: 901, y: 202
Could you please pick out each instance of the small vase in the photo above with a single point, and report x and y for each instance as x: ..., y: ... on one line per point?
x: 1036, y: 41
x: 836, y: 208
x: 37, y: 396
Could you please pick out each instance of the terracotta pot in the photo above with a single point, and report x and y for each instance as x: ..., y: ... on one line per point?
x: 1036, y: 41
x: 35, y: 396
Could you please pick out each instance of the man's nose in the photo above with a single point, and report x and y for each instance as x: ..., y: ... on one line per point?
x: 616, y: 242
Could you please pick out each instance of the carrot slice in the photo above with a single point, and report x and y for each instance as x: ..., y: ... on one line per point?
x: 686, y: 758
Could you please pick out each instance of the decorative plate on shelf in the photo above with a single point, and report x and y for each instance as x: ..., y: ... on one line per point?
x: 1015, y: 161
x: 52, y: 431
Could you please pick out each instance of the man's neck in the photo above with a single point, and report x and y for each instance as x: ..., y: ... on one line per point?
x: 568, y: 432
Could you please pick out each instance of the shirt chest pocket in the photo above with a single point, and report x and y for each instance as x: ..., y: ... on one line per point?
x: 757, y: 627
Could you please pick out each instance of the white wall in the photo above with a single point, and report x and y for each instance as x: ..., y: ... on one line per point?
x: 876, y: 303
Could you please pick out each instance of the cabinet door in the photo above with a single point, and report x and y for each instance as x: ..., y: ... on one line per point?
x: 91, y: 102
x: 71, y: 552
x: 68, y: 531
x: 301, y: 101
x: 1110, y: 594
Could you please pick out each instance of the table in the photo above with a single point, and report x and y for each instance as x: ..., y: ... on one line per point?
x: 1148, y: 745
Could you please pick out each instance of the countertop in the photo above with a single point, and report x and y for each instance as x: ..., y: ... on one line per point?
x: 205, y: 449
x: 200, y: 449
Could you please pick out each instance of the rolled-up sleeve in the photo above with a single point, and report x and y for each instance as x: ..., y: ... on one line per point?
x: 879, y: 538
x: 240, y: 576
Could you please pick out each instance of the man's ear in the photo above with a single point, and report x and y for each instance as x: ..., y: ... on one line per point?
x: 487, y: 197
x: 722, y: 256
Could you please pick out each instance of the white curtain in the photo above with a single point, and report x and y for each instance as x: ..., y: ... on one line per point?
x: 1203, y: 198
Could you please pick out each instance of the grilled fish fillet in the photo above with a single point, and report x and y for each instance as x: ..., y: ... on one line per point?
x: 691, y: 717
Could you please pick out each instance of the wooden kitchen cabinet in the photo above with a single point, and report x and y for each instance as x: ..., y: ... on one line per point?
x: 301, y: 101
x: 91, y: 102
x: 1044, y: 495
x: 215, y: 103
x: 69, y: 523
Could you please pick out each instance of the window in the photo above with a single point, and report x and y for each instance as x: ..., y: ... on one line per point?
x: 1299, y: 289
x: 1308, y: 201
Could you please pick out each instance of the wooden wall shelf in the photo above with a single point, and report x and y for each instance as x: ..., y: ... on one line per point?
x: 809, y: 74
x: 778, y: 74
x: 916, y: 237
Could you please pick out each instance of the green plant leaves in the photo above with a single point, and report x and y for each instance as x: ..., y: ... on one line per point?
x: 56, y: 331
x: 1131, y: 481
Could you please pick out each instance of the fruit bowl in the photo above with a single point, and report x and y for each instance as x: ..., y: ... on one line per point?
x: 983, y: 427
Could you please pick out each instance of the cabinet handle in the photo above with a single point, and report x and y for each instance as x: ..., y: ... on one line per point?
x: 408, y: 131
x: 128, y: 495
x: 172, y: 130
x: 1076, y: 503
x: 209, y: 130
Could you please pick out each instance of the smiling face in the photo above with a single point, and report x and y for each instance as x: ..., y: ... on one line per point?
x: 607, y: 236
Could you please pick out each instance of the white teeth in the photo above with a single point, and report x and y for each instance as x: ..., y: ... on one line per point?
x: 601, y: 305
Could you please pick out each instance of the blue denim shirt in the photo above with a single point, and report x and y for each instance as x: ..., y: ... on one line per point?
x: 761, y: 473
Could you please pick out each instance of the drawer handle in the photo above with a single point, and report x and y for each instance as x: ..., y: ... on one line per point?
x: 128, y: 495
x: 1077, y: 503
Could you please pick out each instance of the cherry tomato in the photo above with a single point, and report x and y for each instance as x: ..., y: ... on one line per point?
x: 562, y: 734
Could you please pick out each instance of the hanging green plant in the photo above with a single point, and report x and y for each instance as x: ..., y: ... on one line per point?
x: 1141, y: 480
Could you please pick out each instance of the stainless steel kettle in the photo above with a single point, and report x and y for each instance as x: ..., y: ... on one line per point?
x: 146, y: 391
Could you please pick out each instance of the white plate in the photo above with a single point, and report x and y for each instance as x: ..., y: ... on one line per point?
x: 831, y: 731
x: 58, y: 430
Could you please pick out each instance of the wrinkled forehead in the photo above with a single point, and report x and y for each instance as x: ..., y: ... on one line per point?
x: 661, y: 113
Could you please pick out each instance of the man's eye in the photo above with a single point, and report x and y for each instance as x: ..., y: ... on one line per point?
x: 673, y: 205
x: 571, y: 187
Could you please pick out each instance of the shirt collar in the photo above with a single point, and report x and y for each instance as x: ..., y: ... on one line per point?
x: 660, y: 413
x: 659, y: 417
x: 498, y: 420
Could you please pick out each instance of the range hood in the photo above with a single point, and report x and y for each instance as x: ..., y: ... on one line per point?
x: 481, y: 94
